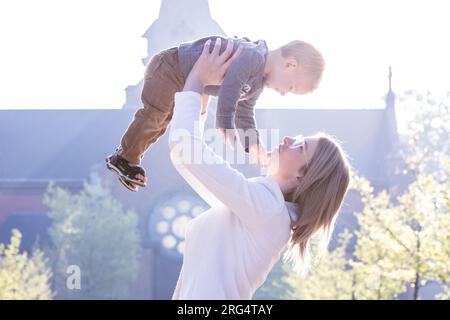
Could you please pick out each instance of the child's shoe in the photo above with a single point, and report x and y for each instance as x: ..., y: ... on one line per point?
x: 125, y: 171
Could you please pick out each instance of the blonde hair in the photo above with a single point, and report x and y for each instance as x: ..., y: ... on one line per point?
x: 318, y: 200
x: 309, y: 58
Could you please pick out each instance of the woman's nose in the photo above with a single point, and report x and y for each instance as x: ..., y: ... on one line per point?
x: 287, y: 140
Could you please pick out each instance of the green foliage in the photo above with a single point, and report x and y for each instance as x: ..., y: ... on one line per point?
x: 91, y: 230
x: 23, y: 277
x: 402, y: 244
x: 426, y: 135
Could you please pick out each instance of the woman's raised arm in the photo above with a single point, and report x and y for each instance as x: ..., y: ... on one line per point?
x: 209, y: 174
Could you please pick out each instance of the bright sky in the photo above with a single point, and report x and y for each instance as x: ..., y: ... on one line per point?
x: 84, y: 53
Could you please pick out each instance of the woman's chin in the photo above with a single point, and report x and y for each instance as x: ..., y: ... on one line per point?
x: 273, y: 159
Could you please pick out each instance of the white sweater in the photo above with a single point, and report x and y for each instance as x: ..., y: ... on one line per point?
x: 231, y: 247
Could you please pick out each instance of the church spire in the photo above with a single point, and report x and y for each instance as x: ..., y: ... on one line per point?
x: 391, y: 118
x: 178, y: 21
x: 390, y: 97
x: 393, y: 160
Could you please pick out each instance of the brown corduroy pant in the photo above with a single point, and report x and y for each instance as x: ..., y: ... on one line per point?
x: 163, y: 78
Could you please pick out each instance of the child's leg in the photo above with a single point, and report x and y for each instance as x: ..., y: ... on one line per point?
x: 162, y: 80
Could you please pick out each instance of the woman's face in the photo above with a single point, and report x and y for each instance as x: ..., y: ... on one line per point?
x: 290, y: 159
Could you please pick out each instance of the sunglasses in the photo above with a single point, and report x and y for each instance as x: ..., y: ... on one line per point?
x: 300, y: 142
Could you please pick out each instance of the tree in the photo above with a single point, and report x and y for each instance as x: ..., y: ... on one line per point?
x: 23, y: 277
x: 92, y: 231
x: 402, y: 244
x: 403, y: 241
x: 425, y: 136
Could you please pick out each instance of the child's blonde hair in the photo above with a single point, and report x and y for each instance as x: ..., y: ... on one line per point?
x: 309, y: 58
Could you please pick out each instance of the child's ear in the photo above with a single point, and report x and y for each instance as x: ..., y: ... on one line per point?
x: 290, y: 63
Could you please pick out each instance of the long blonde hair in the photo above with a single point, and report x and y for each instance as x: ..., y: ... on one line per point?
x: 318, y: 200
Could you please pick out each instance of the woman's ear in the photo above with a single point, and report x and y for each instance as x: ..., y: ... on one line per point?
x: 301, y: 174
x: 292, y: 184
x: 298, y: 180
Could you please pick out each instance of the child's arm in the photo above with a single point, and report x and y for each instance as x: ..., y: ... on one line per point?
x: 248, y: 133
x: 259, y: 152
x: 245, y: 120
x: 208, y: 173
x: 237, y: 75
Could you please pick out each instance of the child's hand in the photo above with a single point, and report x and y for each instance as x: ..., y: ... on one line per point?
x: 229, y: 136
x: 205, y: 101
x: 259, y: 152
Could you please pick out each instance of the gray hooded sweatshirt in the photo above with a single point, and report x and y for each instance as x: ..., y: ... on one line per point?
x: 241, y: 86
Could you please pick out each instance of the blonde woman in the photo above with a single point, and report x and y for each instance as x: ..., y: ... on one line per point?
x: 231, y: 248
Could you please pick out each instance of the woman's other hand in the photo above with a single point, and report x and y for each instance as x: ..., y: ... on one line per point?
x: 210, y: 67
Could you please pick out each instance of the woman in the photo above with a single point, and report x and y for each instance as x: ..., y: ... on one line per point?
x: 232, y: 247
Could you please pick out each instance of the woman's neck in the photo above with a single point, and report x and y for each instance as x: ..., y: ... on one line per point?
x: 284, y: 187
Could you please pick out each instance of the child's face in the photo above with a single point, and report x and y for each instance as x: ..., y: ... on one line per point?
x: 286, y: 77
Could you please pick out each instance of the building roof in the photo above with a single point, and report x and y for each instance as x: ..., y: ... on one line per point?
x: 68, y: 144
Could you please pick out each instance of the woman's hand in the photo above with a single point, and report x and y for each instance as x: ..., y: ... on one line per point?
x: 211, y: 67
